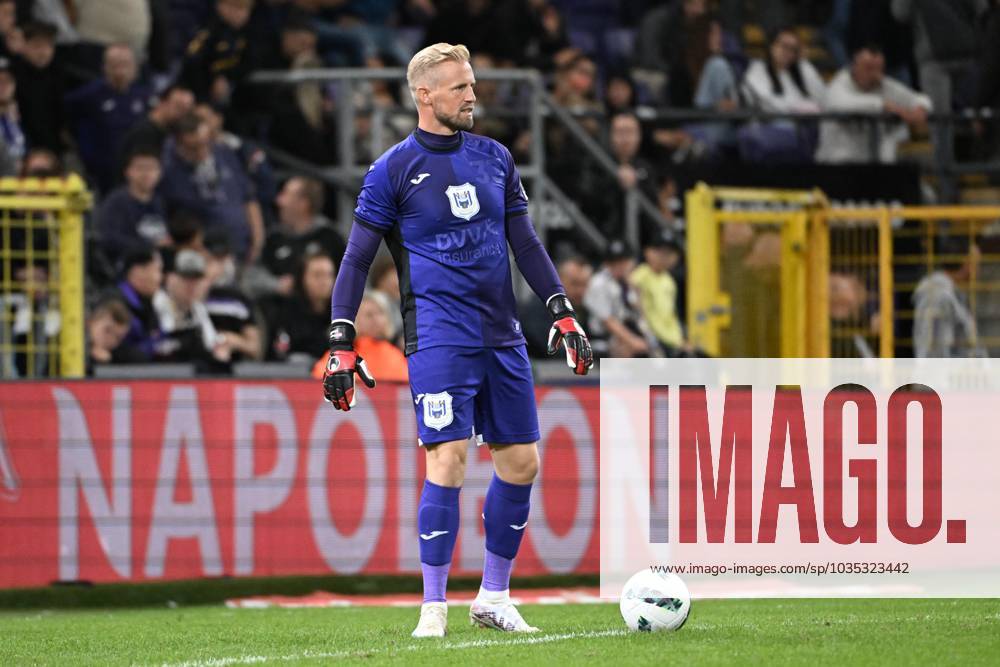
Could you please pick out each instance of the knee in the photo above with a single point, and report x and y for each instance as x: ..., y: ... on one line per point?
x: 521, y: 469
x: 446, y: 466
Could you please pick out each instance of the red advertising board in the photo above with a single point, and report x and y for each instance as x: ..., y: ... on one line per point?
x: 132, y: 481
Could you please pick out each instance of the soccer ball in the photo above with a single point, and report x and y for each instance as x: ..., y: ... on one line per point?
x: 652, y: 601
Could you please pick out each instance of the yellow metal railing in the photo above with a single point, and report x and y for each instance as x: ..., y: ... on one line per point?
x: 842, y: 283
x: 41, y: 277
x: 751, y: 266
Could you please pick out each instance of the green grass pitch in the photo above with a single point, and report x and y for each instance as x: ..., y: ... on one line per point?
x: 769, y: 632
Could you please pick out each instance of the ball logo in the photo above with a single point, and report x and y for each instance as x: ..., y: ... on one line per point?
x: 437, y: 410
x: 463, y: 200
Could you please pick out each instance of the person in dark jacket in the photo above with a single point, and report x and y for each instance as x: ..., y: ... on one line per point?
x: 40, y: 88
x: 302, y: 230
x: 142, y: 273
x: 218, y: 58
x: 944, y: 45
x: 152, y: 131
x: 210, y: 180
x: 133, y: 214
x: 297, y: 324
x: 104, y: 110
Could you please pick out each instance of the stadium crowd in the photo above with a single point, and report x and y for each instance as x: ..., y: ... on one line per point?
x: 201, y: 251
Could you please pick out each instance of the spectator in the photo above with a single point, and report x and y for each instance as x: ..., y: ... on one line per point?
x: 188, y: 333
x: 254, y: 160
x: 943, y: 325
x: 686, y: 48
x: 619, y: 93
x: 715, y: 80
x: 575, y: 273
x: 298, y: 323
x: 209, y: 180
x: 217, y: 59
x: 302, y: 230
x: 142, y: 273
x: 372, y: 342
x: 107, y: 327
x: 600, y: 194
x: 186, y: 231
x: 300, y: 123
x: 11, y: 37
x: 12, y: 141
x: 864, y: 88
x: 944, y: 45
x: 187, y: 17
x: 42, y: 163
x: 661, y: 35
x: 41, y: 88
x: 152, y: 131
x: 658, y: 291
x: 785, y: 82
x: 616, y: 323
x: 133, y: 214
x: 669, y: 203
x: 103, y: 110
x: 576, y: 76
x: 29, y: 320
x: 231, y: 312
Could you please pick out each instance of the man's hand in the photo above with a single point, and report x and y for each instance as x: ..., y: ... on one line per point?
x: 566, y: 329
x: 338, y: 378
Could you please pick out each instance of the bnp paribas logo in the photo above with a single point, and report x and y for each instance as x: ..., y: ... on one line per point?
x: 10, y: 485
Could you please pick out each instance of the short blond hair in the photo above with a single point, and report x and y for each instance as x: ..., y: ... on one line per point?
x: 430, y: 57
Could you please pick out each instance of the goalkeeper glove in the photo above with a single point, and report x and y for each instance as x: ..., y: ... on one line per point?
x: 567, y: 329
x: 338, y: 378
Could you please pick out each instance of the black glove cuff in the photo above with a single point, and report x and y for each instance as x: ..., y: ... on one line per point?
x: 559, y: 307
x: 341, y: 335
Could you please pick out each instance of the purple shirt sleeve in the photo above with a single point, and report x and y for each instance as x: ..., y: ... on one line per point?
x: 350, y: 286
x: 531, y: 258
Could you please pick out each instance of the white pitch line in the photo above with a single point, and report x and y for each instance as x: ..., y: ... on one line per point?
x: 475, y: 643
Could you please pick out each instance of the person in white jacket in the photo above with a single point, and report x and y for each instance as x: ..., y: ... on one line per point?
x: 786, y: 82
x: 863, y: 87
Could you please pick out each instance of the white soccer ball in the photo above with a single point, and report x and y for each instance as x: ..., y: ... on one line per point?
x: 652, y: 601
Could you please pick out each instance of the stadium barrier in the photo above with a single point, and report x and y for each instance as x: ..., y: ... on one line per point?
x: 109, y: 481
x: 41, y: 277
x: 784, y: 273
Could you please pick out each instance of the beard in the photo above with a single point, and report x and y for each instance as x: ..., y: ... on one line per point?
x: 456, y: 122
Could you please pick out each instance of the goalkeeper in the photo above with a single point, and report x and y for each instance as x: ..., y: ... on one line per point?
x: 448, y: 203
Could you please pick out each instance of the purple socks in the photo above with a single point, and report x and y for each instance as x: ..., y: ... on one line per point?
x: 505, y: 514
x: 437, y: 524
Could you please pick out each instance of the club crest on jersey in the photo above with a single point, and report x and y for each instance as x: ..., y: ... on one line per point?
x: 437, y: 410
x: 463, y: 200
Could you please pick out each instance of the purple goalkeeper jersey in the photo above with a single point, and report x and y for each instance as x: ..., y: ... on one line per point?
x: 447, y: 207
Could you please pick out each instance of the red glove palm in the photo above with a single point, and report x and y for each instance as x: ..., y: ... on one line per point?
x: 567, y: 330
x: 344, y: 362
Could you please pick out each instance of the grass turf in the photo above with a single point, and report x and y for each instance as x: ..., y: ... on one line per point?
x: 771, y: 632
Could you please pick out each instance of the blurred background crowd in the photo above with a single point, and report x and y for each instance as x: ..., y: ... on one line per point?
x: 201, y: 250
